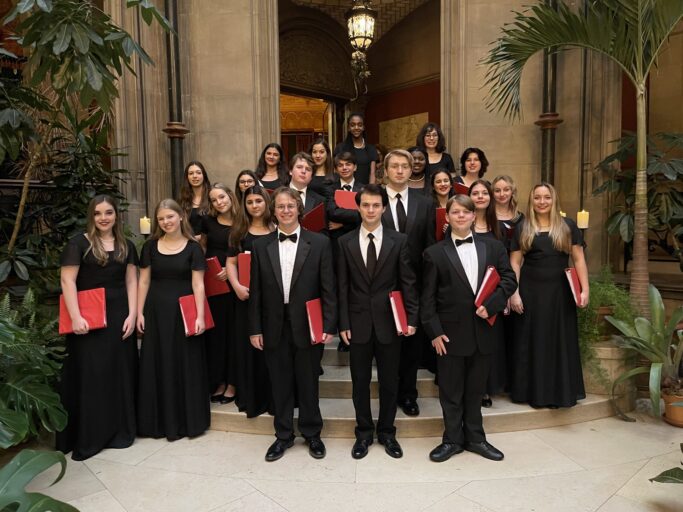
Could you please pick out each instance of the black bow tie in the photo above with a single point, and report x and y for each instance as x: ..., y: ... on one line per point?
x: 458, y: 243
x: 282, y: 237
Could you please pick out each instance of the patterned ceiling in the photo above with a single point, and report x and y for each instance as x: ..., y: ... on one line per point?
x: 389, y: 12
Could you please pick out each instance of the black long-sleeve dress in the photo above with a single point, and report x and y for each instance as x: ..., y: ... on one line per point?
x: 99, y: 376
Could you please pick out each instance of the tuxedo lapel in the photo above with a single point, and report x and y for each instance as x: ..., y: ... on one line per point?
x: 388, y: 219
x: 412, y: 209
x: 301, y: 253
x: 354, y: 249
x: 309, y: 202
x: 481, y: 261
x: 456, y: 264
x: 274, y: 257
x: 387, y: 246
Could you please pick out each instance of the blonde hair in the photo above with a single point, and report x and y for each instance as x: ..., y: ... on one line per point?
x: 234, y: 207
x: 120, y: 244
x: 400, y: 153
x: 512, y: 205
x: 559, y: 233
x: 170, y: 204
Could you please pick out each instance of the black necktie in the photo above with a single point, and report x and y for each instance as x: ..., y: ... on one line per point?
x: 371, y: 256
x: 284, y: 237
x: 401, y: 214
x: 347, y: 188
x: 458, y: 243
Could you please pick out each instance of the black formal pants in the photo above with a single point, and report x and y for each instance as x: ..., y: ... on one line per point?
x: 387, y: 357
x: 293, y: 370
x: 411, y: 355
x: 462, y: 382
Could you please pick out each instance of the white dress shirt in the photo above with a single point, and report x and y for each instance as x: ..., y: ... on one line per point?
x: 287, y: 251
x: 468, y: 257
x: 365, y: 241
x: 343, y: 184
x: 392, y: 202
x: 301, y: 192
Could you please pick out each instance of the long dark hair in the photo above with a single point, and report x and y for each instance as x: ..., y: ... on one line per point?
x: 347, y: 145
x: 282, y: 170
x: 432, y: 179
x: 96, y: 246
x: 238, y: 190
x: 186, y: 194
x: 428, y: 127
x: 491, y: 219
x: 482, y: 158
x: 240, y: 227
x: 328, y: 165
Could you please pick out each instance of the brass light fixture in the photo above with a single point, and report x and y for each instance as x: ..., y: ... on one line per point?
x: 360, y: 19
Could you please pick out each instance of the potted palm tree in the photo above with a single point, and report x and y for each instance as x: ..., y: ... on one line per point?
x: 661, y: 343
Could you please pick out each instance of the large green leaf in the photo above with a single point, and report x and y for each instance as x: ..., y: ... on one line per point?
x: 657, y: 311
x: 16, y: 475
x: 13, y: 427
x: 670, y: 476
x: 655, y: 385
x: 622, y: 378
x: 30, y: 393
x: 622, y: 326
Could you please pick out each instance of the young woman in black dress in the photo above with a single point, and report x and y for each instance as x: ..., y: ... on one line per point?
x: 431, y: 138
x: 245, y: 179
x: 323, y: 171
x: 271, y: 169
x: 252, y: 382
x: 441, y: 185
x: 505, y: 197
x: 220, y: 347
x: 194, y: 195
x: 364, y: 152
x: 173, y: 398
x: 99, y: 375
x: 473, y: 166
x: 546, y: 360
x: 486, y: 226
x: 419, y: 176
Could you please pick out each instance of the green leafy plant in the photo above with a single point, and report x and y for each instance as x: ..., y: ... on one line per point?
x: 670, y: 476
x: 652, y: 339
x: 16, y: 475
x: 29, y: 366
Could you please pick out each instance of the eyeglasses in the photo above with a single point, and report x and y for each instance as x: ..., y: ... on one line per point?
x: 284, y: 207
x: 432, y: 136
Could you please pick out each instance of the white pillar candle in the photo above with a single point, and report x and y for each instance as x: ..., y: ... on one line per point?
x: 145, y: 226
x: 582, y: 219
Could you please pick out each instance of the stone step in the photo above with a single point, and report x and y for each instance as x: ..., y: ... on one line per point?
x: 339, y: 417
x: 332, y: 356
x: 336, y: 383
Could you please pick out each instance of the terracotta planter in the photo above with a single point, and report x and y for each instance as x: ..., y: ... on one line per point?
x: 673, y: 414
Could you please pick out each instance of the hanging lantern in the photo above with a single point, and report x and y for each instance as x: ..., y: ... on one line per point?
x: 360, y: 20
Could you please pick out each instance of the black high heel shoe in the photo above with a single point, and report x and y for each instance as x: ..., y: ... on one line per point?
x: 486, y: 401
x: 226, y: 399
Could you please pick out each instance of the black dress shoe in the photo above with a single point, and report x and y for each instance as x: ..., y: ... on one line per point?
x: 392, y: 447
x: 277, y: 449
x: 360, y: 448
x: 316, y: 448
x: 226, y: 399
x: 486, y: 401
x: 409, y: 407
x: 216, y: 399
x: 445, y: 451
x: 342, y: 347
x: 486, y: 450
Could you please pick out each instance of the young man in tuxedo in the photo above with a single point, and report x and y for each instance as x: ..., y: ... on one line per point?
x: 408, y: 212
x: 289, y: 267
x: 453, y: 273
x: 301, y: 173
x: 372, y: 263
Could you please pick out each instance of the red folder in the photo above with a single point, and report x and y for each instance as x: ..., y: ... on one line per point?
x: 244, y: 268
x: 399, y: 311
x: 346, y: 199
x: 440, y: 223
x: 488, y: 286
x: 460, y: 188
x: 213, y: 285
x: 188, y: 310
x: 315, y: 219
x: 93, y: 307
x: 574, y: 284
x: 314, y: 310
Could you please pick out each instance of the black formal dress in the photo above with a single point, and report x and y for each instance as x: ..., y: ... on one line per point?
x: 364, y: 157
x: 99, y: 375
x: 293, y: 362
x: 251, y: 373
x: 447, y: 307
x: 272, y: 185
x: 322, y: 186
x: 508, y: 228
x: 546, y: 359
x: 446, y: 162
x: 220, y: 341
x: 196, y: 221
x: 365, y: 310
x: 174, y: 393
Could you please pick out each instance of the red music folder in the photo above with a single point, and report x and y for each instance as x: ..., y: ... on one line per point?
x: 488, y: 286
x: 314, y: 310
x: 440, y: 223
x: 315, y: 219
x: 213, y: 285
x: 399, y: 311
x: 574, y: 284
x: 346, y: 199
x: 188, y: 310
x: 93, y: 307
x: 460, y: 188
x: 244, y: 268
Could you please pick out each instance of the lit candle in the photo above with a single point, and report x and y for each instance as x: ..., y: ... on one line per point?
x: 145, y: 226
x: 582, y: 219
x: 563, y: 214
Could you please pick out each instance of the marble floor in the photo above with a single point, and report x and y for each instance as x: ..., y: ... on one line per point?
x: 602, y: 465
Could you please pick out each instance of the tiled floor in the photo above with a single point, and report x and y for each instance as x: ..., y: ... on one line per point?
x: 602, y: 465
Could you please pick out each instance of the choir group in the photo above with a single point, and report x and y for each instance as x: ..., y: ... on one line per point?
x: 413, y: 227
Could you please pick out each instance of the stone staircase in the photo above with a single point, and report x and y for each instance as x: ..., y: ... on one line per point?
x: 338, y: 413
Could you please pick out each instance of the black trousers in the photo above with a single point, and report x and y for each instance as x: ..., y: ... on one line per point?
x: 387, y: 357
x: 411, y: 355
x: 294, y: 370
x: 462, y: 382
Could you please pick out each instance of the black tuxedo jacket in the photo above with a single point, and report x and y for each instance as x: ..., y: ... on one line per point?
x: 312, y: 278
x: 350, y: 218
x: 447, y: 303
x: 419, y: 227
x: 313, y: 199
x: 364, y: 301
